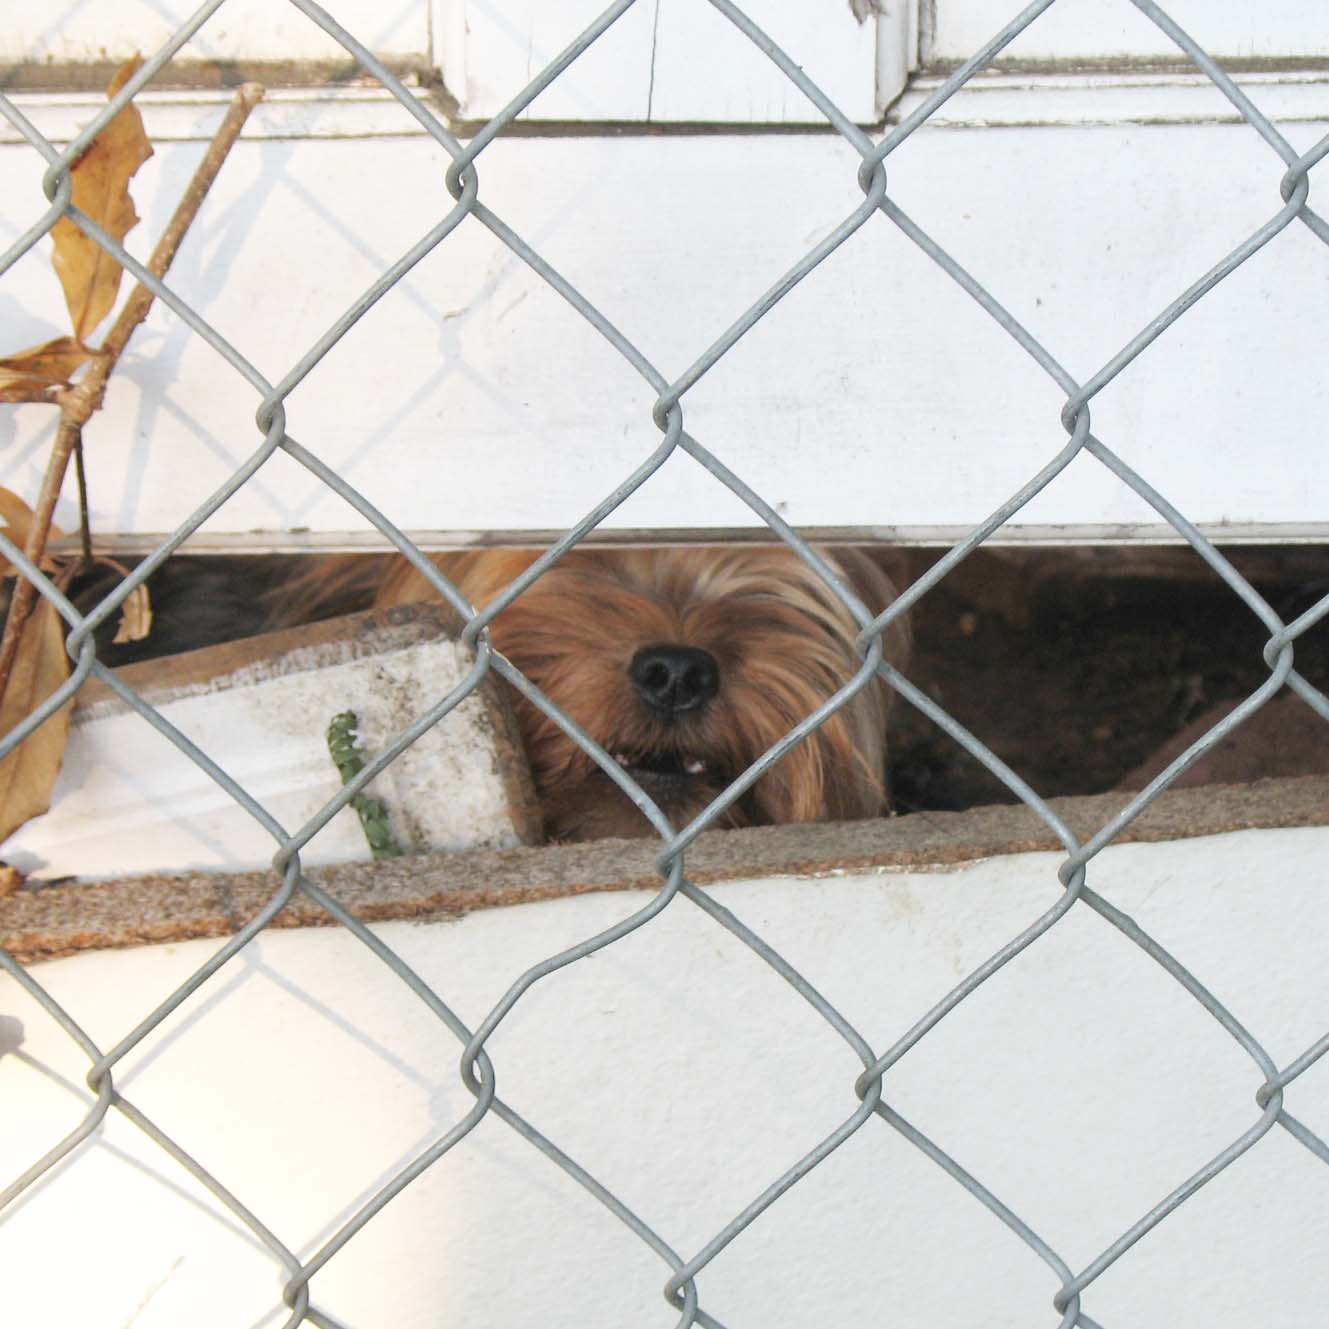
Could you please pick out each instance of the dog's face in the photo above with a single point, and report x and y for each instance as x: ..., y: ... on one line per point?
x: 685, y: 665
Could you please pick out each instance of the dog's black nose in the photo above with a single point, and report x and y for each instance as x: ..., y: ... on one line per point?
x: 673, y: 680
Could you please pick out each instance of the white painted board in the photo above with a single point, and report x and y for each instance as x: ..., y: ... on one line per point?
x: 1081, y: 1085
x: 1107, y: 30
x: 68, y: 32
x: 487, y: 51
x: 661, y: 60
x: 876, y: 395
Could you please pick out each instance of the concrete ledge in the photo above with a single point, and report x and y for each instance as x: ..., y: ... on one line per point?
x: 61, y: 920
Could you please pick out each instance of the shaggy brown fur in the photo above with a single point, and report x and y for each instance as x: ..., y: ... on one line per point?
x: 685, y: 665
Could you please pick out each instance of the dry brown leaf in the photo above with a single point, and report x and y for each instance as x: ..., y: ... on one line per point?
x: 32, y: 374
x: 17, y: 517
x: 28, y: 773
x: 41, y: 665
x: 90, y: 277
x: 135, y: 617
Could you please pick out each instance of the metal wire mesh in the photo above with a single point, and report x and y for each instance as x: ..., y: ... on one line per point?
x: 477, y: 1071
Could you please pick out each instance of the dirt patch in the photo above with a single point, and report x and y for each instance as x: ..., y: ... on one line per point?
x: 1077, y: 666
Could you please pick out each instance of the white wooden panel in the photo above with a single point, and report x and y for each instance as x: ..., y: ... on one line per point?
x: 488, y: 50
x: 706, y: 69
x: 663, y: 60
x: 897, y: 50
x: 71, y: 30
x: 1098, y: 29
x: 1081, y: 1085
x: 876, y: 395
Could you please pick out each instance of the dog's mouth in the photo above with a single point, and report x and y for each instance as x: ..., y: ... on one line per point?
x: 669, y: 771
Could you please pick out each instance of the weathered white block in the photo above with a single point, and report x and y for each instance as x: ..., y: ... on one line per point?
x: 128, y: 801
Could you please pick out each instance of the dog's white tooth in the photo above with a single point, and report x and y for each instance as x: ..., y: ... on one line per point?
x: 621, y: 758
x: 694, y: 767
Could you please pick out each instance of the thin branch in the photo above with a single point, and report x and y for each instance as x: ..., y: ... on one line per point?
x: 84, y: 560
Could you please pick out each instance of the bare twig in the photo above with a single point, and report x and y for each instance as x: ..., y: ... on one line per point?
x: 78, y: 402
x: 84, y: 521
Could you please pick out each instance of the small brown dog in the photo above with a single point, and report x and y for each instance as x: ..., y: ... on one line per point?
x: 685, y: 665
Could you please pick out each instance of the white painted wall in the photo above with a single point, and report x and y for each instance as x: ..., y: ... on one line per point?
x: 1081, y: 1085
x: 472, y: 398
x: 877, y: 398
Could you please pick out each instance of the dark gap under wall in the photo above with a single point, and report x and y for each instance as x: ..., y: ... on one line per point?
x: 1081, y: 668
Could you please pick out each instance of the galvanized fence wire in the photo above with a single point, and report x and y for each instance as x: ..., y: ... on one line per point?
x: 477, y: 1071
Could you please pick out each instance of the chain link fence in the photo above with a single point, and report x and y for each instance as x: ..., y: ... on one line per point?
x: 464, y: 181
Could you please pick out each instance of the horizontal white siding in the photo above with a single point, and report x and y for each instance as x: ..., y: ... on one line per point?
x: 876, y: 399
x: 877, y: 395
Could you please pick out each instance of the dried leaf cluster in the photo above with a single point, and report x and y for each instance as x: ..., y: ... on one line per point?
x: 33, y: 662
